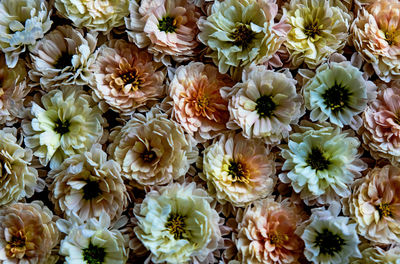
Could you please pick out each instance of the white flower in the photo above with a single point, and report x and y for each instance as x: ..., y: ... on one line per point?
x: 373, y: 255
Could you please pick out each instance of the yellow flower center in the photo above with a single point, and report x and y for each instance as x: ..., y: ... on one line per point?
x: 238, y: 172
x: 312, y: 29
x: 176, y: 225
x: 132, y: 78
x: 278, y: 239
x: 392, y: 37
x: 17, y: 245
x: 385, y: 210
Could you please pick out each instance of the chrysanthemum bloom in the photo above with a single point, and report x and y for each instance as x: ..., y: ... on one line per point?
x: 238, y: 170
x: 152, y: 149
x: 240, y: 32
x: 197, y: 102
x: 28, y: 233
x: 95, y: 15
x: 177, y: 224
x: 319, y: 28
x: 381, y: 126
x: 373, y: 255
x: 375, y: 33
x: 167, y: 27
x: 329, y: 238
x: 93, y: 242
x: 126, y: 77
x: 267, y: 234
x: 63, y: 57
x: 66, y: 122
x: 321, y: 162
x: 264, y: 104
x: 87, y: 184
x: 13, y: 89
x: 338, y: 92
x: 23, y: 23
x: 374, y: 205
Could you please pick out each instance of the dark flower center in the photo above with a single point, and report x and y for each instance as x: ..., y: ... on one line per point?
x: 336, y: 97
x: 176, y: 225
x: 17, y: 245
x: 278, y: 239
x: 238, y: 171
x: 265, y: 106
x: 316, y: 160
x: 63, y: 61
x: 385, y: 210
x: 242, y: 35
x: 91, y: 190
x: 148, y: 155
x: 329, y: 243
x: 131, y: 78
x: 167, y: 24
x: 61, y: 127
x: 94, y: 254
x: 312, y: 29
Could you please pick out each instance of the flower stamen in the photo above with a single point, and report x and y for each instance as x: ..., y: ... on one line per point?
x: 176, y: 225
x: 242, y: 35
x: 329, y: 243
x: 278, y: 239
x: 91, y: 190
x: 385, y: 210
x: 94, y: 254
x: 265, y: 106
x: 167, y: 24
x: 316, y: 160
x: 17, y: 245
x: 61, y: 127
x: 238, y: 172
x: 336, y: 97
x: 312, y: 29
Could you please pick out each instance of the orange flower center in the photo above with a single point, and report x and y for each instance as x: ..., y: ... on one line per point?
x: 132, y: 78
x: 17, y: 245
x: 385, y: 210
x: 278, y: 239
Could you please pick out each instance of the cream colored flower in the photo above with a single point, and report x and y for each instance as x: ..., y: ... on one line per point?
x: 22, y: 23
x: 264, y: 104
x: 28, y: 233
x: 376, y: 254
x: 96, y: 15
x: 152, y: 149
x: 375, y: 205
x: 64, y: 123
x: 319, y: 29
x: 177, y: 224
x: 238, y: 170
x: 63, y: 57
x: 126, y: 78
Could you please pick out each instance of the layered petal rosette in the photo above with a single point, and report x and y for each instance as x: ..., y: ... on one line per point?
x: 372, y: 255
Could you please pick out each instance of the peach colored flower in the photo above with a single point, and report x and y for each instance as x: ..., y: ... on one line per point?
x: 126, y: 78
x: 198, y: 105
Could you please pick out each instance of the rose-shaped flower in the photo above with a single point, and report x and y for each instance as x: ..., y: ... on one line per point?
x: 93, y: 242
x: 267, y: 233
x: 23, y: 23
x: 321, y: 162
x: 376, y: 254
x: 177, y: 224
x: 197, y: 102
x: 64, y: 123
x: 88, y: 184
x: 319, y: 29
x: 152, y: 149
x: 63, y: 57
x: 240, y: 32
x: 264, y: 104
x: 238, y: 170
x: 167, y: 27
x: 375, y: 205
x: 28, y: 233
x: 126, y: 78
x: 95, y: 15
x: 375, y: 33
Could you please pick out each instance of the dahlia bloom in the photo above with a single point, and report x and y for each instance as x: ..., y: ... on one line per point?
x: 264, y: 104
x: 94, y: 241
x: 167, y: 27
x: 94, y: 15
x: 152, y: 149
x: 23, y: 23
x: 63, y: 57
x: 329, y: 238
x: 126, y: 78
x: 374, y: 205
x: 28, y: 233
x: 238, y: 170
x: 239, y: 32
x: 319, y: 29
x: 66, y: 122
x: 267, y: 233
x: 197, y: 102
x: 376, y: 254
x: 88, y: 184
x: 177, y: 224
x: 321, y: 162
x: 375, y: 35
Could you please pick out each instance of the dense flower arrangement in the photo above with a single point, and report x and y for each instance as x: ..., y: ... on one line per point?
x: 199, y: 131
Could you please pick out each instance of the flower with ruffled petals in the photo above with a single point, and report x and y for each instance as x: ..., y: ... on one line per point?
x: 167, y: 27
x: 177, y: 224
x: 28, y: 233
x: 22, y: 23
x: 197, y: 103
x: 238, y: 170
x: 63, y: 57
x: 319, y: 29
x: 267, y: 233
x: 95, y: 15
x: 152, y: 149
x: 264, y: 104
x: 376, y: 36
x: 126, y: 77
x: 66, y: 122
x: 321, y: 162
x: 373, y: 255
x: 375, y: 205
